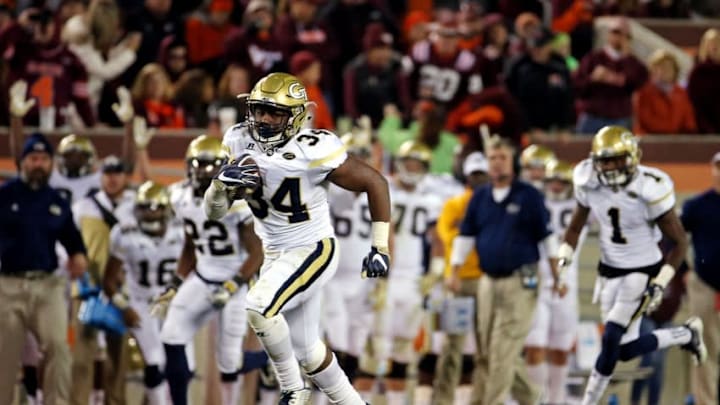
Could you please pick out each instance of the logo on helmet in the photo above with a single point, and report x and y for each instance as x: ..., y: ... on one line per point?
x: 296, y: 90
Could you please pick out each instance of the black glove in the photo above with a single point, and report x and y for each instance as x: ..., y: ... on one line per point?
x: 376, y: 263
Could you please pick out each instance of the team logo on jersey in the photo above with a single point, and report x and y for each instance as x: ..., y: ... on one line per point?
x: 55, y: 210
x: 296, y: 90
x: 288, y: 155
x: 513, y: 208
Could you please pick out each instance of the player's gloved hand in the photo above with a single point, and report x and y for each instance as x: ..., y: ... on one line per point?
x: 123, y: 108
x: 433, y: 276
x: 220, y: 296
x: 142, y: 135
x: 160, y: 304
x: 656, y: 289
x: 19, y: 104
x: 564, y: 260
x: 376, y: 263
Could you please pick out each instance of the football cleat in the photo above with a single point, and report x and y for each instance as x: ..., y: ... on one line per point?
x: 696, y: 346
x: 298, y: 397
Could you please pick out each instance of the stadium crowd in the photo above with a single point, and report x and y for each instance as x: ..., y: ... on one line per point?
x: 421, y: 85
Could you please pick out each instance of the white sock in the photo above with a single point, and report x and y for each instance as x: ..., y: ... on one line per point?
x: 462, y: 395
x: 557, y: 383
x: 396, y: 397
x: 676, y: 336
x: 158, y: 395
x: 538, y: 374
x: 230, y: 391
x: 268, y: 397
x: 423, y: 395
x: 334, y: 383
x: 318, y: 398
x: 274, y: 334
x: 597, y: 383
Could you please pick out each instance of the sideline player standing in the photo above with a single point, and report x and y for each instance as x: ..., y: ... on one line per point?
x: 292, y: 218
x: 629, y: 200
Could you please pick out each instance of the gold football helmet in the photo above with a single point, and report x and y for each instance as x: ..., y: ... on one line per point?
x: 75, y: 155
x: 359, y: 141
x: 558, y: 180
x: 152, y: 208
x: 536, y: 156
x: 412, y: 150
x: 615, y: 155
x: 282, y: 100
x: 204, y: 157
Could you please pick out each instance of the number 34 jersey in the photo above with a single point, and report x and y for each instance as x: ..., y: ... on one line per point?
x: 628, y: 234
x: 150, y: 262
x: 218, y: 247
x: 291, y: 207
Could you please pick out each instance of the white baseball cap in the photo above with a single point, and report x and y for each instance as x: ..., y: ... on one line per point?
x: 475, y: 162
x: 716, y: 157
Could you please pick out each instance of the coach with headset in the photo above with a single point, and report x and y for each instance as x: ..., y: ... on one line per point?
x: 505, y: 221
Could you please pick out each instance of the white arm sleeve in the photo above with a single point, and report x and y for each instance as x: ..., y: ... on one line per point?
x: 550, y: 243
x: 461, y: 248
x: 216, y: 201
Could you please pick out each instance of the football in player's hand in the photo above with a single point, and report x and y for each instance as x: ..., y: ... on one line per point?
x: 242, y: 177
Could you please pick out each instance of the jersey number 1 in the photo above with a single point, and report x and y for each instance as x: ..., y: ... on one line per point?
x: 287, y: 199
x: 617, y: 236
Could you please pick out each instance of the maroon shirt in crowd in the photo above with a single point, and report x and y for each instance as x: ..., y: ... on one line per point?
x: 703, y: 89
x: 447, y: 81
x: 604, y: 99
x: 54, y: 75
x: 253, y: 49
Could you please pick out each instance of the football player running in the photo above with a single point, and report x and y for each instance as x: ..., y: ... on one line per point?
x: 224, y: 254
x: 148, y: 250
x: 290, y: 173
x: 553, y: 330
x: 630, y: 202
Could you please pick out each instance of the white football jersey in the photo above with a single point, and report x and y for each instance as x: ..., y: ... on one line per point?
x: 218, y: 247
x: 412, y: 213
x: 150, y: 262
x: 291, y: 207
x: 561, y: 212
x: 75, y: 188
x: 628, y: 234
x: 351, y: 219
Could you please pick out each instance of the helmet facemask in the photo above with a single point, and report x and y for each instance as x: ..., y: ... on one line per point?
x: 277, y: 128
x: 75, y: 163
x: 410, y: 172
x: 614, y: 171
x: 201, y: 171
x: 152, y: 218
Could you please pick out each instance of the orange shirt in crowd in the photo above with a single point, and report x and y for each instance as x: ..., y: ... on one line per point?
x: 163, y: 115
x: 323, y: 118
x: 658, y: 112
x: 204, y: 40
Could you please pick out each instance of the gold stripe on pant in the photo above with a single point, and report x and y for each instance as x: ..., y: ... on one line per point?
x: 38, y: 305
x: 704, y: 378
x: 505, y: 312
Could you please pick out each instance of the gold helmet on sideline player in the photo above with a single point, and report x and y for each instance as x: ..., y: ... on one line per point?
x: 76, y: 156
x: 152, y: 208
x: 409, y: 151
x: 204, y: 157
x: 558, y: 180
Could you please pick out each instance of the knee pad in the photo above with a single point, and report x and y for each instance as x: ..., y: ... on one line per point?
x: 402, y: 350
x: 398, y: 371
x: 229, y: 377
x: 269, y: 330
x: 153, y: 376
x: 312, y: 358
x: 428, y: 363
